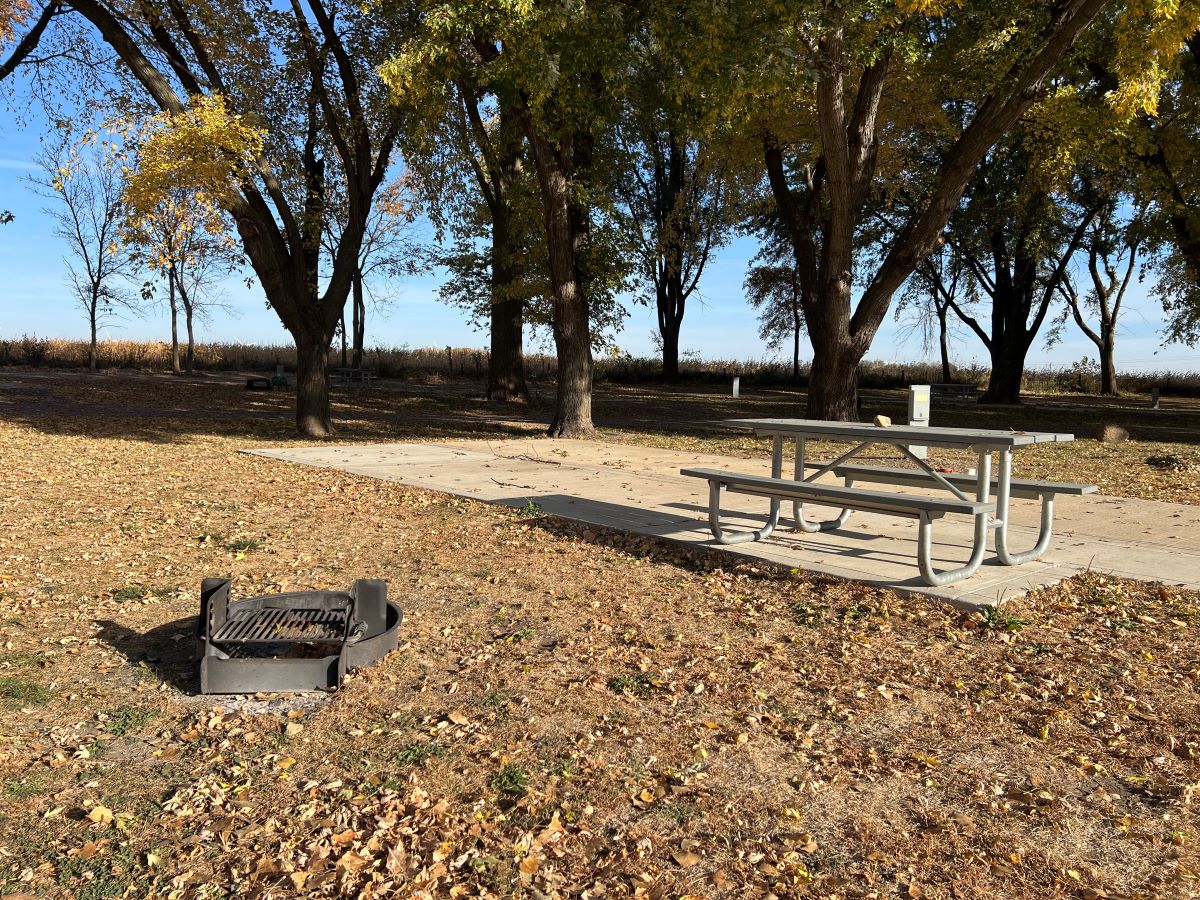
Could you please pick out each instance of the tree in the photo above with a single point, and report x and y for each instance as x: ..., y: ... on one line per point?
x: 21, y: 17
x: 561, y: 65
x: 1112, y: 247
x: 844, y: 91
x: 470, y: 166
x: 941, y: 285
x: 85, y: 182
x: 304, y: 76
x: 1171, y: 181
x: 387, y: 251
x: 1018, y: 234
x: 184, y: 237
x: 774, y: 290
x: 673, y: 195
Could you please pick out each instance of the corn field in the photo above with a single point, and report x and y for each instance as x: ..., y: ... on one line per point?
x: 472, y: 362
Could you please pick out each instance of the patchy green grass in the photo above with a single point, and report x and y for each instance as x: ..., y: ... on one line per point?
x: 416, y: 753
x: 127, y: 719
x: 512, y: 780
x: 17, y: 692
x: 640, y: 684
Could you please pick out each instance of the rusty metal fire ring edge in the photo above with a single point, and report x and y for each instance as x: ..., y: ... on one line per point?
x: 220, y: 674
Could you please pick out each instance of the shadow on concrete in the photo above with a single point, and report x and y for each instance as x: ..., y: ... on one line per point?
x: 609, y: 519
x: 168, y: 650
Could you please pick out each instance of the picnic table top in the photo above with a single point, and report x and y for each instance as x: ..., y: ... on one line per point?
x: 898, y: 434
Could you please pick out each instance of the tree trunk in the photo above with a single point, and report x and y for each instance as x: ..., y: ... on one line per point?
x: 566, y: 232
x: 669, y: 330
x: 944, y: 346
x: 833, y: 381
x: 671, y: 301
x: 175, y: 368
x: 345, y: 352
x: 92, y: 351
x: 189, y: 360
x: 1008, y: 366
x: 1108, y: 368
x: 359, y: 322
x: 797, y: 326
x: 506, y: 362
x: 312, y: 384
x: 833, y: 378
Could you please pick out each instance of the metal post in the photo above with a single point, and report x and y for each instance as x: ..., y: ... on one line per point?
x: 737, y: 386
x: 918, y: 414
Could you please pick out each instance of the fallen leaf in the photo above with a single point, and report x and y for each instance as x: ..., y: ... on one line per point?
x: 101, y: 815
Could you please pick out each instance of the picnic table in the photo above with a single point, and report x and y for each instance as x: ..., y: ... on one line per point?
x: 341, y: 376
x: 968, y: 494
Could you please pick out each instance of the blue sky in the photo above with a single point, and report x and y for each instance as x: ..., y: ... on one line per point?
x: 34, y: 299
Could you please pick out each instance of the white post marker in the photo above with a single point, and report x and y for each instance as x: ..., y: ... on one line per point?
x: 918, y: 413
x: 737, y: 386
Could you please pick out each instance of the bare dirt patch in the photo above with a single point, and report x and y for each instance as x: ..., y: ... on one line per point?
x: 573, y: 712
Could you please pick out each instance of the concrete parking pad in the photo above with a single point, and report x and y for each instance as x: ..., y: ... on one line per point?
x: 640, y: 490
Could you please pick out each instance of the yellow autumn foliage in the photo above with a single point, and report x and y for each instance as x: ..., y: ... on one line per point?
x: 204, y: 150
x: 1149, y: 37
x: 12, y: 14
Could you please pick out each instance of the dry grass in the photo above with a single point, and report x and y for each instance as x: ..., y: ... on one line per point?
x: 572, y: 713
x: 472, y: 362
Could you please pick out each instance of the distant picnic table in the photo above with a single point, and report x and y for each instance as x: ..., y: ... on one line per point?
x: 351, y: 376
x: 968, y: 494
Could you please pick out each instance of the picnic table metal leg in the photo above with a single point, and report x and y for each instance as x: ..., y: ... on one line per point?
x: 1007, y: 557
x: 735, y: 537
x: 714, y: 505
x: 802, y: 524
x: 933, y: 578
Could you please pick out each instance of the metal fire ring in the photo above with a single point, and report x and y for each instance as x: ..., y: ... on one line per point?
x: 304, y: 641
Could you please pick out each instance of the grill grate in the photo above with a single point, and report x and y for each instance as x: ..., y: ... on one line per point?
x: 270, y: 626
x: 296, y: 641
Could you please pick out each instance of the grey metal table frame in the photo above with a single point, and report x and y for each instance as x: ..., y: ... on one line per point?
x: 985, y: 443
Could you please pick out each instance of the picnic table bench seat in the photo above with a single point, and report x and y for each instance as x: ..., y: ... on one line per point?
x: 924, y: 509
x: 843, y: 497
x: 1025, y: 489
x: 954, y: 389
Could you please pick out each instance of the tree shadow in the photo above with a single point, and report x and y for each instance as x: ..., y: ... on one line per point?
x: 168, y: 650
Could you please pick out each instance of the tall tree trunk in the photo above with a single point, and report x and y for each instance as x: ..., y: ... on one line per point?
x: 93, y: 354
x: 174, y: 303
x: 1108, y: 367
x: 944, y: 345
x: 833, y: 382
x: 796, y: 328
x: 312, y: 384
x: 345, y: 351
x: 1008, y: 367
x: 671, y: 304
x: 669, y: 323
x: 506, y: 362
x: 566, y: 232
x: 833, y: 378
x: 189, y: 359
x: 359, y: 319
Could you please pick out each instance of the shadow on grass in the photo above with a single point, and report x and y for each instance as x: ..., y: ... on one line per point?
x: 169, y: 650
x: 162, y: 409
